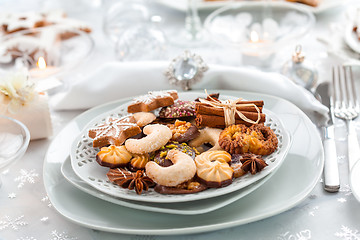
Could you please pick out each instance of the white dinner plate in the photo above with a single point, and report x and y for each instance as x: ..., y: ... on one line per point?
x: 291, y: 184
x: 84, y: 164
x: 181, y: 5
x: 185, y: 208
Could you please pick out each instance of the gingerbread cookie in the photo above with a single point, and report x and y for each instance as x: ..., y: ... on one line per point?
x: 114, y: 131
x: 152, y: 101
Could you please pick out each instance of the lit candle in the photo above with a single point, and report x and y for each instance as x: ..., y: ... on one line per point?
x: 41, y: 63
x: 254, y: 37
x: 42, y: 70
x: 254, y: 53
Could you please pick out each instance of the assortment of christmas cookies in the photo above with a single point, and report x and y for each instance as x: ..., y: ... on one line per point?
x: 182, y: 147
x: 56, y: 27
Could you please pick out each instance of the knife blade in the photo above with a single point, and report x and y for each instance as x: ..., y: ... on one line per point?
x: 331, y: 170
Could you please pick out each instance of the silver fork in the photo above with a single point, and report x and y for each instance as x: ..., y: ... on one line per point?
x: 346, y: 107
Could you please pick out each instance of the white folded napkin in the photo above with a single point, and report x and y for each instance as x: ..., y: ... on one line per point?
x: 115, y: 80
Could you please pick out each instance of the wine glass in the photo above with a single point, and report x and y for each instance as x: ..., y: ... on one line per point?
x: 135, y: 34
x: 193, y: 34
x: 14, y: 140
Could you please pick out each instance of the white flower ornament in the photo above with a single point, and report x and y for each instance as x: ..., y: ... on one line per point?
x: 18, y: 89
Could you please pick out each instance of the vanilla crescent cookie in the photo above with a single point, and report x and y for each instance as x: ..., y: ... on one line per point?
x: 213, y: 168
x: 144, y: 118
x: 207, y: 135
x: 183, y: 169
x: 157, y: 136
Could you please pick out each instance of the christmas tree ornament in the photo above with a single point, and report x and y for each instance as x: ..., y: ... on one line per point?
x: 300, y: 70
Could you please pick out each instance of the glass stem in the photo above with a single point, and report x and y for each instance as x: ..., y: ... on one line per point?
x: 193, y: 21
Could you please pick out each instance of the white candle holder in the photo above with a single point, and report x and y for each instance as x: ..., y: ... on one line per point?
x: 275, y: 24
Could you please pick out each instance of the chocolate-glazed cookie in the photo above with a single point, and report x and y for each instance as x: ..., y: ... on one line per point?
x: 236, y: 165
x: 179, y: 109
x: 183, y: 131
x: 160, y: 156
x: 188, y: 187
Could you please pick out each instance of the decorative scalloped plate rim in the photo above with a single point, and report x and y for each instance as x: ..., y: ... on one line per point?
x: 84, y: 165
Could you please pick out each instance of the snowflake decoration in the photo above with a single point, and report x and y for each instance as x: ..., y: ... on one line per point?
x: 12, y: 195
x: 312, y: 212
x: 12, y: 223
x: 44, y: 219
x: 342, y: 200
x: 26, y: 176
x: 46, y: 199
x: 348, y: 234
x: 302, y: 235
x: 61, y: 236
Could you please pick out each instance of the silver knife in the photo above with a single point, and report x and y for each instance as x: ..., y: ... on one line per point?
x: 331, y: 170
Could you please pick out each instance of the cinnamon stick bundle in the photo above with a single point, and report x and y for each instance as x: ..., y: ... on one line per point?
x: 202, y: 108
x: 215, y: 121
x: 209, y: 116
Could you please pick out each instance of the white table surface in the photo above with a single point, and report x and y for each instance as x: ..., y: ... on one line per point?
x: 27, y: 213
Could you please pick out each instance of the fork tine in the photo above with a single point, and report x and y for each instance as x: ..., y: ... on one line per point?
x: 336, y: 93
x: 348, y: 86
x: 343, y: 88
x: 355, y: 100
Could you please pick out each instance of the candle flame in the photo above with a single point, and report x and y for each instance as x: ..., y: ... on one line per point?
x: 41, y: 63
x: 254, y: 36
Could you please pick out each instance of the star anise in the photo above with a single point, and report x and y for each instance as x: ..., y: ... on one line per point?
x: 126, y: 179
x: 252, y: 163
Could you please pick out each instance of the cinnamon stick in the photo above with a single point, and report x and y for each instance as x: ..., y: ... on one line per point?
x: 214, y: 121
x: 201, y: 108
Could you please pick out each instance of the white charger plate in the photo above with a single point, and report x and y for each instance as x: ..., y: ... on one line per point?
x: 181, y: 5
x: 182, y: 208
x: 84, y: 164
x: 286, y: 188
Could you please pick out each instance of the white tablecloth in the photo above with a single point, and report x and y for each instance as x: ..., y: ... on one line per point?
x: 27, y: 213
